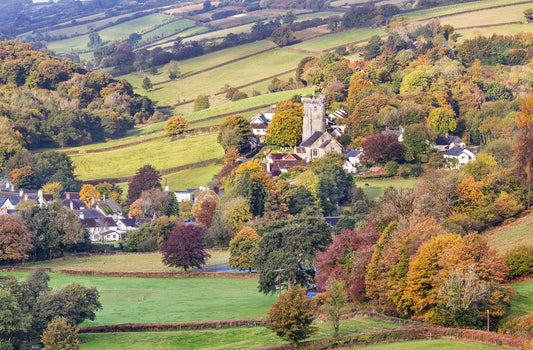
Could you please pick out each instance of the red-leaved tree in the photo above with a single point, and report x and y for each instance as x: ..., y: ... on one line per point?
x: 346, y: 259
x: 185, y: 247
x: 381, y: 148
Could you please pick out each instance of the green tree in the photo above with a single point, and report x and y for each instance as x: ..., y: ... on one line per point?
x: 242, y: 247
x: 442, y: 120
x: 235, y: 131
x: 287, y: 250
x: 53, y: 188
x: 59, y: 335
x: 15, y: 239
x: 282, y: 36
x: 176, y: 125
x: 415, y: 80
x: 201, y: 102
x: 528, y: 14
x: 336, y: 298
x: 12, y: 317
x: 291, y: 316
x: 23, y: 178
x: 417, y: 138
x: 94, y: 39
x: 285, y: 129
x: 147, y: 83
x: 173, y: 205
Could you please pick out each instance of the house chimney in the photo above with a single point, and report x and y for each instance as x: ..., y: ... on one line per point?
x: 71, y: 205
x: 21, y: 193
x: 446, y: 134
x: 68, y: 195
x: 40, y: 196
x: 129, y: 215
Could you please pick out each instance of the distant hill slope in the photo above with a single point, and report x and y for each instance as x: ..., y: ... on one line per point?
x: 507, y: 236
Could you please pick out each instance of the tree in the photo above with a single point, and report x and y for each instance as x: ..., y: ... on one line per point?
x: 185, y: 247
x: 15, y: 239
x: 153, y: 203
x: 250, y: 181
x: 336, y: 298
x: 13, y: 319
x: 173, y: 70
x: 291, y: 316
x: 381, y: 148
x: 442, y: 120
x: 416, y: 137
x: 53, y: 188
x: 235, y: 131
x: 287, y: 249
x: 176, y: 125
x: 89, y: 193
x: 23, y: 178
x: 109, y: 190
x: 528, y: 14
x: 147, y: 83
x: 523, y: 148
x: 145, y: 179
x: 285, y: 129
x: 242, y: 247
x: 59, y: 335
x: 201, y: 102
x: 94, y: 39
x: 173, y: 205
x: 282, y: 36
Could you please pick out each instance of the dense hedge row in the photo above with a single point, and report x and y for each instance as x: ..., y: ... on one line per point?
x: 157, y: 274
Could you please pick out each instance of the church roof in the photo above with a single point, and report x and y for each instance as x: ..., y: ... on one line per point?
x: 312, y: 139
x: 325, y: 144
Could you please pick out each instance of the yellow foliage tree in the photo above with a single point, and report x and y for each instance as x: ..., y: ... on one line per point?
x: 176, y: 125
x: 87, y: 193
x: 469, y: 192
x: 53, y: 188
x: 242, y: 248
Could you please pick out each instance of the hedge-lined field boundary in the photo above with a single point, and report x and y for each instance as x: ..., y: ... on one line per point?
x: 153, y: 327
x: 405, y: 334
x: 169, y: 274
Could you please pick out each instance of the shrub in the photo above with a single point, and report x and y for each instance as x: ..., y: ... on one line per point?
x: 392, y: 168
x: 519, y: 260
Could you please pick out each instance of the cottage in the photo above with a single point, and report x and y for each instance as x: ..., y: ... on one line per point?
x: 461, y: 155
x: 353, y: 160
x: 259, y: 125
x: 186, y: 195
x: 398, y: 133
x: 446, y: 142
x: 101, y: 229
x: 282, y: 162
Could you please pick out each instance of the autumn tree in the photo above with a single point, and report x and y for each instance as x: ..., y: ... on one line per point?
x: 336, y: 298
x: 109, y: 190
x: 285, y: 129
x: 381, y: 148
x: 235, y: 131
x: 291, y: 316
x: 442, y: 120
x: 204, y: 207
x: 176, y: 125
x: 282, y: 36
x: 59, y: 335
x: 201, y: 102
x: 15, y: 239
x: 146, y: 178
x: 185, y: 247
x: 89, y: 193
x: 250, y: 181
x: 23, y: 178
x: 53, y: 188
x: 242, y: 247
x: 523, y: 148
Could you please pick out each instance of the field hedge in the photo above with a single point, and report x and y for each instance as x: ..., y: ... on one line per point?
x: 158, y: 274
x: 151, y: 327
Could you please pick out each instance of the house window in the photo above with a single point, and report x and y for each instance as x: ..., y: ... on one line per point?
x: 315, y: 152
x: 315, y: 108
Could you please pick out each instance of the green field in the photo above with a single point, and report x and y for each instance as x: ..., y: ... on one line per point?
x: 140, y: 300
x: 167, y: 42
x: 84, y: 28
x: 440, y: 344
x: 376, y: 188
x: 192, y: 178
x: 143, y: 262
x: 522, y: 303
x: 232, y: 338
x: 488, y: 16
x: 167, y: 30
x: 336, y: 39
x: 161, y: 154
x: 509, y: 235
x: 235, y: 74
x: 500, y: 30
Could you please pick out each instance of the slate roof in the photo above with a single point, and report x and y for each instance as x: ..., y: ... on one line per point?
x: 77, y: 204
x: 72, y: 195
x: 339, y: 113
x: 352, y: 153
x: 90, y: 213
x: 2, y: 201
x: 262, y: 118
x: 454, y: 152
x: 109, y: 205
x: 98, y: 222
x: 325, y: 144
x: 128, y: 222
x: 5, y: 194
x: 332, y: 220
x: 443, y: 140
x: 312, y: 139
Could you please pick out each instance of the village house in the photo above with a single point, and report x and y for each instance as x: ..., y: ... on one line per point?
x: 446, y: 142
x: 282, y: 162
x: 398, y: 133
x: 353, y: 160
x: 461, y: 155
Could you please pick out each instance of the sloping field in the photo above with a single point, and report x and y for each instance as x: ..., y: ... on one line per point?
x: 522, y: 303
x: 192, y: 178
x: 501, y: 30
x: 84, y: 28
x: 242, y: 72
x: 507, y: 236
x: 161, y: 154
x: 492, y: 16
x: 336, y: 39
x: 167, y: 30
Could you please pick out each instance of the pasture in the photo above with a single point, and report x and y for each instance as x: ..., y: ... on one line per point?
x: 500, y: 30
x: 161, y: 154
x: 376, y: 187
x: 167, y: 30
x: 143, y: 300
x: 510, y: 234
x: 139, y: 262
x: 441, y: 344
x: 491, y: 16
x: 235, y: 74
x: 231, y: 338
x: 192, y: 178
x: 336, y: 39
x: 522, y: 303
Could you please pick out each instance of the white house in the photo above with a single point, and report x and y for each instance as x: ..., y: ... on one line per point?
x: 446, y: 142
x: 352, y: 161
x: 102, y: 229
x: 259, y: 125
x: 398, y: 133
x: 186, y: 195
x: 462, y: 155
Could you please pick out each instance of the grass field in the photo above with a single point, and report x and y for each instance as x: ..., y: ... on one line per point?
x: 235, y: 74
x: 501, y: 30
x: 488, y: 16
x: 97, y: 21
x: 161, y: 154
x: 336, y: 39
x: 142, y: 262
x: 509, y: 235
x: 168, y: 30
x: 232, y: 338
x: 440, y: 344
x: 170, y: 299
x: 192, y: 178
x: 522, y: 303
x: 377, y: 187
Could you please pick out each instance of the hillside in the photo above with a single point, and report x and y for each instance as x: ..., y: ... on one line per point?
x: 512, y: 233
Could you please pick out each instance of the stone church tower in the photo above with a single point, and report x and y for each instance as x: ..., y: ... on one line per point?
x: 314, y: 116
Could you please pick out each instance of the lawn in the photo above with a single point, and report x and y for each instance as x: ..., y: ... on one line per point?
x: 169, y: 299
x: 440, y: 344
x: 509, y: 235
x: 376, y: 188
x: 235, y: 74
x: 143, y: 262
x: 231, y: 338
x: 161, y: 154
x: 336, y: 39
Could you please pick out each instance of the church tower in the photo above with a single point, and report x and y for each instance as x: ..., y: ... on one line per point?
x: 314, y: 116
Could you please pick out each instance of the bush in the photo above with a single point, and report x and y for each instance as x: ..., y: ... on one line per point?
x: 392, y: 168
x: 519, y: 260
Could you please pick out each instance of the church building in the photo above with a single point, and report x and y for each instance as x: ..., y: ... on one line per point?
x: 316, y: 141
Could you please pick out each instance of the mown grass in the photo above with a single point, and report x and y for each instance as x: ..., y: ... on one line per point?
x: 511, y: 234
x: 488, y: 16
x: 138, y: 262
x: 161, y: 154
x: 169, y: 299
x: 202, y: 62
x: 522, y: 303
x: 451, y: 9
x: 376, y: 187
x: 235, y: 74
x: 332, y: 40
x: 440, y: 344
x: 168, y: 29
x: 232, y: 338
